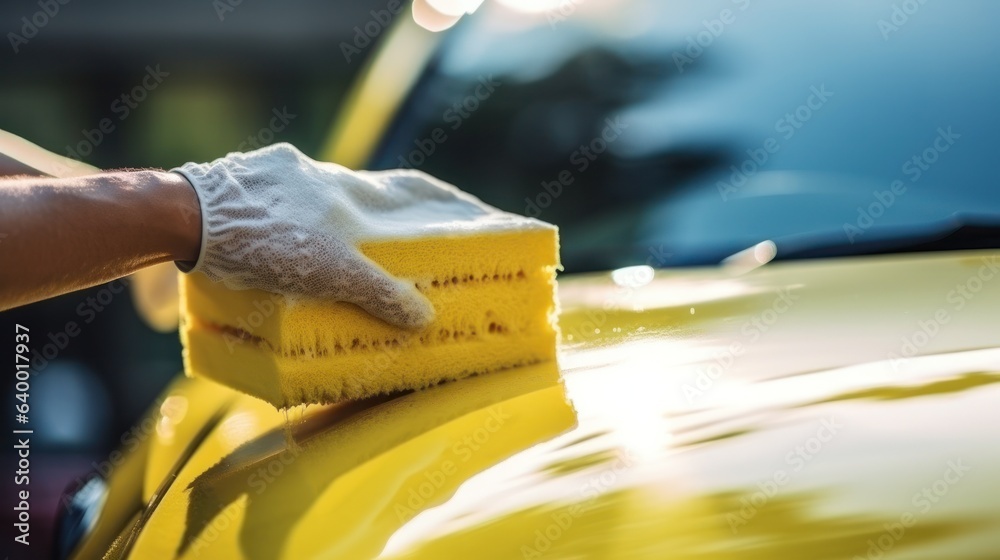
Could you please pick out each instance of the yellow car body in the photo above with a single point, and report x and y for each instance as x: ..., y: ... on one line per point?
x: 824, y: 409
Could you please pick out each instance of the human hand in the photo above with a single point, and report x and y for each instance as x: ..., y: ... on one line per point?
x: 276, y: 220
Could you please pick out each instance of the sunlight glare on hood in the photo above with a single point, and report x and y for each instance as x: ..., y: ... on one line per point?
x: 633, y: 276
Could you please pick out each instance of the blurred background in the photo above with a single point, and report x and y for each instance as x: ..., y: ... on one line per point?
x: 662, y: 133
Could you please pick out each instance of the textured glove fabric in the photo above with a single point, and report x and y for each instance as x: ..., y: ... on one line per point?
x: 276, y: 220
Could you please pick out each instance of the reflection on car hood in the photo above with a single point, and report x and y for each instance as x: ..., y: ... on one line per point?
x: 823, y: 409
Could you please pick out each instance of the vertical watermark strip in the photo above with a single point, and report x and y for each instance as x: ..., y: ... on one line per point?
x: 22, y: 436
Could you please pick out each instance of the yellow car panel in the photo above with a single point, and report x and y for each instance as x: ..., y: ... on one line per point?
x: 821, y: 409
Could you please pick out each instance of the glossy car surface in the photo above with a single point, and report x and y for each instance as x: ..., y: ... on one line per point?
x: 807, y: 410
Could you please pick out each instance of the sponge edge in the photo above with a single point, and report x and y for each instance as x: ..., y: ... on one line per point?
x: 495, y: 308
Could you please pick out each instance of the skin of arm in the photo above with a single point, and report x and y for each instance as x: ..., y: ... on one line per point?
x: 61, y: 235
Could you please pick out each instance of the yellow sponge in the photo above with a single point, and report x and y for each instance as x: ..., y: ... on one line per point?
x: 493, y: 294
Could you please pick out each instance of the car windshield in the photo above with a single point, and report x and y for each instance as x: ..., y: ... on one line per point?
x: 677, y: 133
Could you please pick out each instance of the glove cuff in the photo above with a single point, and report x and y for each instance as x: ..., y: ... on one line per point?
x: 206, y: 188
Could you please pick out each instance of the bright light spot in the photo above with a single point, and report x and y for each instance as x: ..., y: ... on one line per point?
x: 634, y: 411
x: 765, y: 252
x: 532, y: 6
x: 165, y: 429
x: 692, y: 311
x: 752, y: 258
x: 438, y: 15
x: 633, y: 276
x: 455, y: 7
x: 172, y: 411
x: 430, y: 19
x: 645, y: 435
x: 239, y: 428
x: 174, y: 407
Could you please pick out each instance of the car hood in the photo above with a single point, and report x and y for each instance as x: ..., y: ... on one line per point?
x: 821, y: 409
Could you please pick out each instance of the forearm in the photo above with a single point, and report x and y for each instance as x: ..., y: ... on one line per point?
x: 60, y: 235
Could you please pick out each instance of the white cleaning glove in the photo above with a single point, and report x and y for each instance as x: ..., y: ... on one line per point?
x: 276, y: 220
